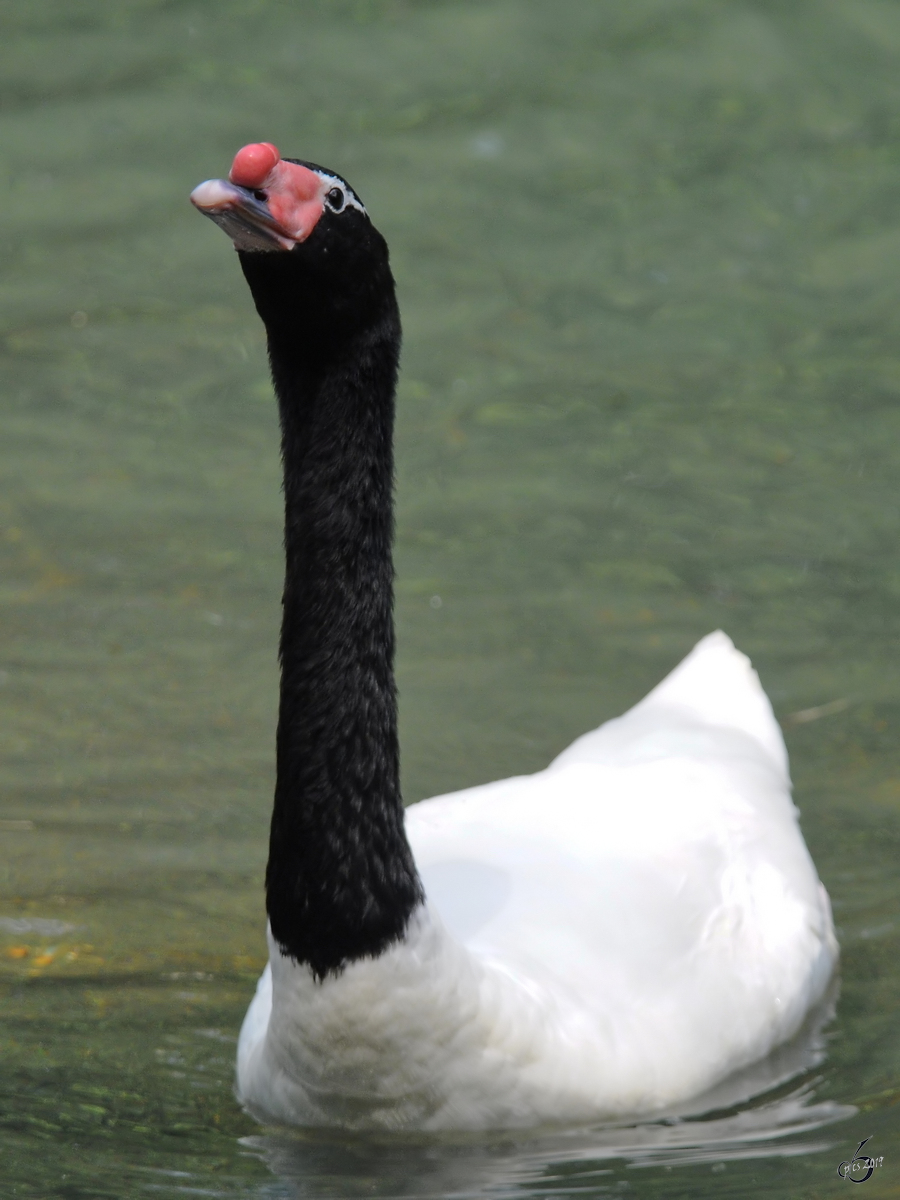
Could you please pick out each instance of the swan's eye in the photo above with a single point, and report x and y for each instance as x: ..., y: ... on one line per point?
x: 261, y: 195
x: 335, y: 199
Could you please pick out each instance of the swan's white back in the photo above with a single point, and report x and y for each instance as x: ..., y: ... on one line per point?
x: 610, y: 936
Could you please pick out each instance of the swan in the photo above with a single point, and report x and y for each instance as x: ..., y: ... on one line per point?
x: 611, y: 936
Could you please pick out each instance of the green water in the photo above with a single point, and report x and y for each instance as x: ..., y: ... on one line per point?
x: 649, y: 262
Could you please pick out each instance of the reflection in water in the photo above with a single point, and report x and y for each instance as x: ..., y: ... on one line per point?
x: 322, y: 1165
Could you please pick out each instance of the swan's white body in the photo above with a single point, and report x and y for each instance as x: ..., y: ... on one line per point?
x: 608, y: 937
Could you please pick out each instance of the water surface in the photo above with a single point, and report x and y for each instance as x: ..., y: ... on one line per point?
x: 649, y: 262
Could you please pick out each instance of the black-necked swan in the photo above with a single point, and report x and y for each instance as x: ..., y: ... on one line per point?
x: 610, y: 936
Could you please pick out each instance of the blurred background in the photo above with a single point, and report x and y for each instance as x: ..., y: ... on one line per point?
x: 648, y: 257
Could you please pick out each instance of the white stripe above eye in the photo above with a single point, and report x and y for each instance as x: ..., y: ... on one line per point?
x: 351, y: 200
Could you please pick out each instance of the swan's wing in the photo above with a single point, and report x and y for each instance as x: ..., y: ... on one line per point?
x: 655, y: 874
x: 711, y: 704
x: 669, y: 909
x: 599, y: 871
x: 699, y: 758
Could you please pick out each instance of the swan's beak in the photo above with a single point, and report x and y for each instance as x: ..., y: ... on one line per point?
x: 246, y: 220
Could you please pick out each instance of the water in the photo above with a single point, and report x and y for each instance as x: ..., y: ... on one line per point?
x: 649, y: 262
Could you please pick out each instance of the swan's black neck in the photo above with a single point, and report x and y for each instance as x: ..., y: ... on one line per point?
x: 341, y: 883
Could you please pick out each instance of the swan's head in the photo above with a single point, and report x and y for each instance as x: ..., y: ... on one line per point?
x: 270, y: 203
x: 307, y: 246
